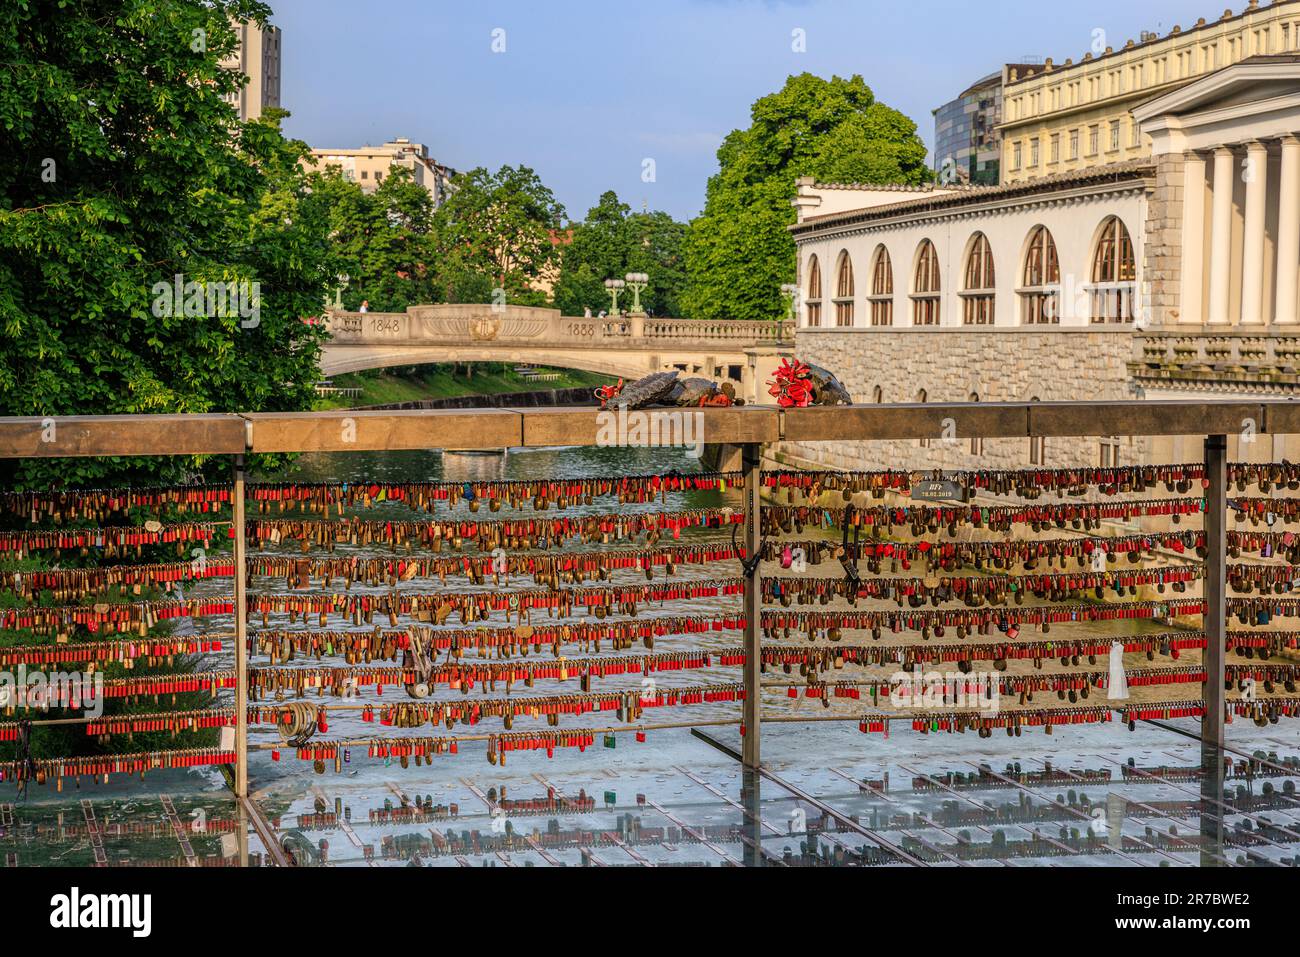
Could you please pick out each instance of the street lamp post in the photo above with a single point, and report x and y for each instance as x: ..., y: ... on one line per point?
x: 615, y: 286
x: 791, y: 293
x: 637, y: 281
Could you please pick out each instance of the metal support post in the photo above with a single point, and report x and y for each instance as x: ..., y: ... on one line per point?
x: 241, y: 636
x: 752, y: 456
x: 1212, y: 726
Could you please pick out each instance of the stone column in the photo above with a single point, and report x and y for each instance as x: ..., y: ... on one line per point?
x: 1288, y: 235
x: 1221, y: 237
x: 1190, y: 296
x: 1252, y: 260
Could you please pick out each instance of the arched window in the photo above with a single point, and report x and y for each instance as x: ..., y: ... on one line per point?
x: 1037, y: 445
x: 882, y: 289
x: 925, y: 287
x: 1040, y: 292
x: 977, y: 296
x: 1114, y: 274
x: 813, y: 301
x: 922, y: 397
x: 877, y: 395
x: 844, y: 291
x: 976, y: 443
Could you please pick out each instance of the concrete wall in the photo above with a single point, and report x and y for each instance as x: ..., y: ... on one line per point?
x: 951, y: 365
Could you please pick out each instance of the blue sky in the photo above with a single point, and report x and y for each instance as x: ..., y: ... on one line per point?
x: 586, y: 90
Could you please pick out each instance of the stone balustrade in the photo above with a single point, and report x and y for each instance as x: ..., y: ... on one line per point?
x: 732, y: 330
x: 526, y: 324
x: 1208, y: 357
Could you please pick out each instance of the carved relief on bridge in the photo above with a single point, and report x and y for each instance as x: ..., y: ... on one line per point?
x: 475, y: 323
x: 368, y: 326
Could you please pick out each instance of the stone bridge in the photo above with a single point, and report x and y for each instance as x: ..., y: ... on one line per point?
x: 744, y: 353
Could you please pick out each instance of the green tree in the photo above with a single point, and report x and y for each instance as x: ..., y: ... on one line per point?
x: 496, y: 231
x: 613, y: 241
x: 122, y: 166
x: 659, y: 250
x: 385, y: 239
x: 739, y: 251
x: 599, y: 251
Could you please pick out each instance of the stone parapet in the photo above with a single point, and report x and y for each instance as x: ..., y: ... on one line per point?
x: 957, y: 365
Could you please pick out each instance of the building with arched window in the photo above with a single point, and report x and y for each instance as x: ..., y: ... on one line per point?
x: 1103, y: 281
x: 1024, y: 255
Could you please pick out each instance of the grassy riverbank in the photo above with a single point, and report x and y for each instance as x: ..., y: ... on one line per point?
x: 385, y: 386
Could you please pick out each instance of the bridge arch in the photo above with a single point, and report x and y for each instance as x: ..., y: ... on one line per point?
x: 337, y: 360
x: 630, y: 347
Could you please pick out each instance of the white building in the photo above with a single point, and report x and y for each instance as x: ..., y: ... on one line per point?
x: 1171, y: 276
x: 1057, y: 251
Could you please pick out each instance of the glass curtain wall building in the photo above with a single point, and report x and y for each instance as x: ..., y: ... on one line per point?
x: 967, y: 143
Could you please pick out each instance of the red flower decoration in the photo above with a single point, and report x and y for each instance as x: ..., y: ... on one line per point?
x: 792, y: 387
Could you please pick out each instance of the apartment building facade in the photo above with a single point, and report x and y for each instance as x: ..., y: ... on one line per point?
x: 369, y: 165
x: 257, y: 57
x: 1065, y: 117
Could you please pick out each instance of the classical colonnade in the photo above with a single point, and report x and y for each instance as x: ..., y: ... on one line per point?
x: 1258, y: 204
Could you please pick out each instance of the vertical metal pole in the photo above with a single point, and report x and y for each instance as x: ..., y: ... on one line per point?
x: 1216, y: 584
x: 751, y: 798
x: 241, y: 636
x: 241, y: 832
x: 751, y: 457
